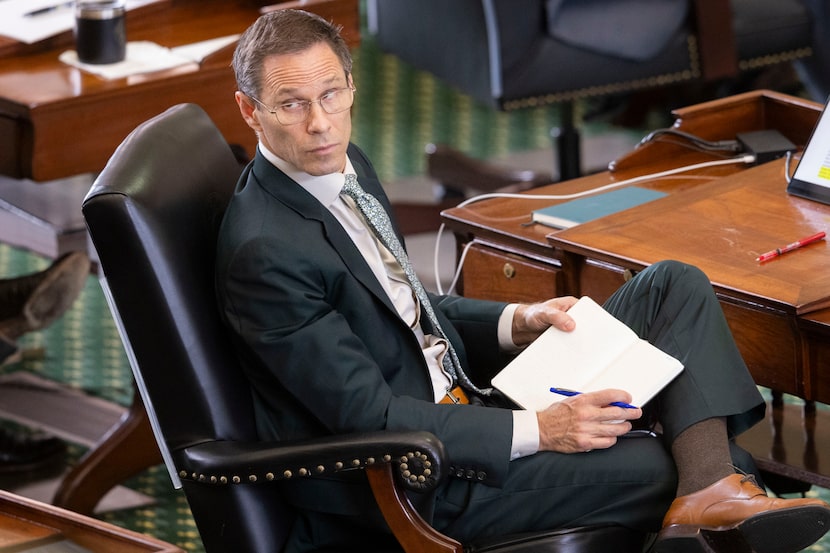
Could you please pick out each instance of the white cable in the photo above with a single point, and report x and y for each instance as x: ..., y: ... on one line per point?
x: 748, y: 159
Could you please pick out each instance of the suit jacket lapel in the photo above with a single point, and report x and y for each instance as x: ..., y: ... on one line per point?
x: 288, y: 192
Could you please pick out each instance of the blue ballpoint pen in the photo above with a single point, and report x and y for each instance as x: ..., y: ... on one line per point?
x: 569, y: 393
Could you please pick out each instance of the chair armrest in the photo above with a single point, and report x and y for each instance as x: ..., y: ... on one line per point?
x: 419, y: 457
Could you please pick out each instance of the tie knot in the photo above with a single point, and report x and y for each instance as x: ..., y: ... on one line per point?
x: 352, y: 187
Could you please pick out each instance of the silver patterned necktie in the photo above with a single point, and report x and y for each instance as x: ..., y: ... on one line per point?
x: 379, y: 222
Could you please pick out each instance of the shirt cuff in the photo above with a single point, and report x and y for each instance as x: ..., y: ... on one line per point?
x: 505, y: 329
x: 525, y: 434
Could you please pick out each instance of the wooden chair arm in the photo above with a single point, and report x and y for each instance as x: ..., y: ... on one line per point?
x: 410, y: 529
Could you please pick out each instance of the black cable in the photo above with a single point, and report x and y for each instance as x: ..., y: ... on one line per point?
x: 720, y: 145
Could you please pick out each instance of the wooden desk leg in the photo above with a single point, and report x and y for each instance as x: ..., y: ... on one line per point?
x: 125, y: 450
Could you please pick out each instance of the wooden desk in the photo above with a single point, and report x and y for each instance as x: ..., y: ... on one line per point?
x: 722, y: 226
x: 58, y: 122
x: 719, y: 219
x: 25, y: 524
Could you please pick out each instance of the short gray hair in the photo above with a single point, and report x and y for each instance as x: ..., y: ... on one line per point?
x: 283, y: 32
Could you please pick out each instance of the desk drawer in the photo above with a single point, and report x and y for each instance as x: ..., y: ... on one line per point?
x: 599, y: 280
x: 494, y: 274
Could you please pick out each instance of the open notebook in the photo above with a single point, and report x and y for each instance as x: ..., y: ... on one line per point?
x: 600, y: 353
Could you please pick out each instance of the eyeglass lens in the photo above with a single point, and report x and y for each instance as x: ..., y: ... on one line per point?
x: 332, y: 102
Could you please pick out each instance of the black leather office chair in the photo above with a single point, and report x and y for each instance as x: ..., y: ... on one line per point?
x: 153, y: 215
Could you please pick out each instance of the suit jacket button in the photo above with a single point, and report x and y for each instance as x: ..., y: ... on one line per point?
x: 471, y: 474
x: 482, y: 476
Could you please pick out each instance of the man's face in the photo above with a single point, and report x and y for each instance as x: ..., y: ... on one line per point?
x: 318, y: 144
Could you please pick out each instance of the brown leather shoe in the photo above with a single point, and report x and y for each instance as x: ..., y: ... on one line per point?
x: 734, y: 515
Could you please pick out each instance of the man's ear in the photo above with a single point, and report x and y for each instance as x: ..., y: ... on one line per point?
x: 248, y: 110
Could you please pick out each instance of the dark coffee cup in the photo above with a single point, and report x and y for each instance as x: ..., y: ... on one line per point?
x: 100, y: 31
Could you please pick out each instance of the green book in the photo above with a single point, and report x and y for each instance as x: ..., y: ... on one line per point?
x: 581, y: 210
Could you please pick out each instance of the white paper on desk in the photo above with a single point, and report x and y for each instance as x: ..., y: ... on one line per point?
x: 146, y: 57
x: 14, y: 24
x: 141, y: 57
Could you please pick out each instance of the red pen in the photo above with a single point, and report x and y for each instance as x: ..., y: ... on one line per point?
x: 790, y: 247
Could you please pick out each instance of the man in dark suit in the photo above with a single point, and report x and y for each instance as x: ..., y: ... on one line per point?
x: 335, y: 338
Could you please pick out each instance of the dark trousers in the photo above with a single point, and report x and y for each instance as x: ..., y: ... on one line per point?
x: 672, y: 305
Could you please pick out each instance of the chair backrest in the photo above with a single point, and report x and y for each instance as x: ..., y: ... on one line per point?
x: 153, y: 215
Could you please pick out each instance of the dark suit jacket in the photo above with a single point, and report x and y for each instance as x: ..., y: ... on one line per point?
x: 323, y: 346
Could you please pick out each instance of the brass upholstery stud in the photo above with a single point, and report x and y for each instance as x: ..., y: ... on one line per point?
x: 236, y: 480
x: 269, y: 476
x: 252, y: 478
x: 287, y: 474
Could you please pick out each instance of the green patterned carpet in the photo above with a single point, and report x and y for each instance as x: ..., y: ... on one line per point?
x: 397, y: 112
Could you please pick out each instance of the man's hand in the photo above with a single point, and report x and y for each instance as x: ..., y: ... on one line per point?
x: 529, y: 321
x: 585, y: 422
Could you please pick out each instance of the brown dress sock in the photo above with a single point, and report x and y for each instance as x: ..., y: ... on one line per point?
x: 701, y: 453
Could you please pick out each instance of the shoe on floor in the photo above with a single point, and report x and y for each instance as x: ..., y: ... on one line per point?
x: 19, y: 453
x: 734, y: 515
x: 33, y: 302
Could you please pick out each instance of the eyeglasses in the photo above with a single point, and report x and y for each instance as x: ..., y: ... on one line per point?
x: 334, y: 101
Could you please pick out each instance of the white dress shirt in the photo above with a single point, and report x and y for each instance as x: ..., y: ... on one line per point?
x: 326, y: 189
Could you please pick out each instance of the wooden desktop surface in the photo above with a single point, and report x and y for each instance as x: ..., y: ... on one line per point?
x: 722, y: 226
x: 26, y: 524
